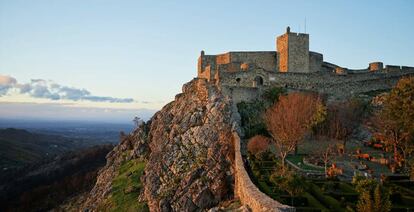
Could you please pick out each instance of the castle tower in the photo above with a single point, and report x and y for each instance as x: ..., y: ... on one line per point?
x: 293, y: 52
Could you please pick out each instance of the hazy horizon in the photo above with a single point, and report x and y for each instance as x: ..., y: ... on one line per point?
x: 113, y: 60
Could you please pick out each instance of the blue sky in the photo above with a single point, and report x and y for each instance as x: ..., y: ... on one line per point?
x: 146, y: 50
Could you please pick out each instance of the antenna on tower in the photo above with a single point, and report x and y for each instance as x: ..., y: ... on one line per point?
x: 305, y: 24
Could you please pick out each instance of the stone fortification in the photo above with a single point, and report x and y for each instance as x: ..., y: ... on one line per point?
x: 293, y: 52
x: 293, y: 66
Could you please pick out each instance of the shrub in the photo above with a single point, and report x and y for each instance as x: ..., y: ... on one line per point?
x: 258, y: 144
x: 271, y: 95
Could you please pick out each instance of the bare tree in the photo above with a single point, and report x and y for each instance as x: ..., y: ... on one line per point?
x: 342, y: 120
x: 290, y: 119
x: 327, y: 155
x: 137, y: 121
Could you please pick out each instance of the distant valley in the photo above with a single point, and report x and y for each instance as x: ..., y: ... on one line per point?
x: 43, y: 164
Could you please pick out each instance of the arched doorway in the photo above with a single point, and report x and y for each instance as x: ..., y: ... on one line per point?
x: 258, y: 81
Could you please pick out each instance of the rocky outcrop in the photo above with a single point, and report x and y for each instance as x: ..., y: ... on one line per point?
x: 189, y: 166
x: 188, y: 149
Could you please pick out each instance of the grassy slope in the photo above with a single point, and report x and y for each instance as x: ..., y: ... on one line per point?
x: 126, y: 188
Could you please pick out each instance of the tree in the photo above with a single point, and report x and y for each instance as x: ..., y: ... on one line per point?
x: 342, y: 120
x: 395, y: 121
x: 290, y: 119
x: 382, y: 201
x: 288, y: 181
x: 324, y: 149
x: 364, y: 203
x: 137, y: 121
x: 327, y: 154
x: 373, y: 196
x: 293, y: 185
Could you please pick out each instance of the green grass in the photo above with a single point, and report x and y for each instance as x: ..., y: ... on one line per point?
x: 128, y: 177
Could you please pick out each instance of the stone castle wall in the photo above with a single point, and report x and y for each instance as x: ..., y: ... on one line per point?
x: 264, y: 59
x: 339, y: 86
x: 239, y: 94
x: 210, y: 65
x: 244, y: 78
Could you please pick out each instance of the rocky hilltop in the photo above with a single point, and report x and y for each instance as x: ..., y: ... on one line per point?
x: 188, y: 153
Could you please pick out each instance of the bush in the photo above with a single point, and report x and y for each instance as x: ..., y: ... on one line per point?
x: 271, y: 95
x: 258, y: 144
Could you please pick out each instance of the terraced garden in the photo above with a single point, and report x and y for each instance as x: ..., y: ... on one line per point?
x: 325, y: 195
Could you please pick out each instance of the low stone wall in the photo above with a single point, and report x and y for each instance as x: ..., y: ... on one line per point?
x: 248, y: 193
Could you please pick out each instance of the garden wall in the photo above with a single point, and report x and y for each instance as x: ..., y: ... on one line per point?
x: 248, y: 193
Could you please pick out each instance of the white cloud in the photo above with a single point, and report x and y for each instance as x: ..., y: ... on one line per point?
x: 40, y: 88
x: 6, y: 83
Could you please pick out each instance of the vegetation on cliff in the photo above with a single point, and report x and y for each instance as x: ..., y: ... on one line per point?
x: 126, y: 187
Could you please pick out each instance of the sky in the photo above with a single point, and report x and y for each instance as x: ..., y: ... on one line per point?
x: 112, y: 60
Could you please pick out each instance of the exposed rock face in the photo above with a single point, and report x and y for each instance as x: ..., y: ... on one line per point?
x: 188, y: 150
x: 189, y: 166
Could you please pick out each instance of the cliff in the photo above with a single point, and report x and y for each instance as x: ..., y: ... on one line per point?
x: 188, y: 153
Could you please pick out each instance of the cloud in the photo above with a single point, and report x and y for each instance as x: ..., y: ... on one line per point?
x: 40, y: 88
x: 6, y: 83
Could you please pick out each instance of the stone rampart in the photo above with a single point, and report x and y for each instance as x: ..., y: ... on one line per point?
x: 339, y: 86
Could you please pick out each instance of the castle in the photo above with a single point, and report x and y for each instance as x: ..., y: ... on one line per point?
x: 293, y: 66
